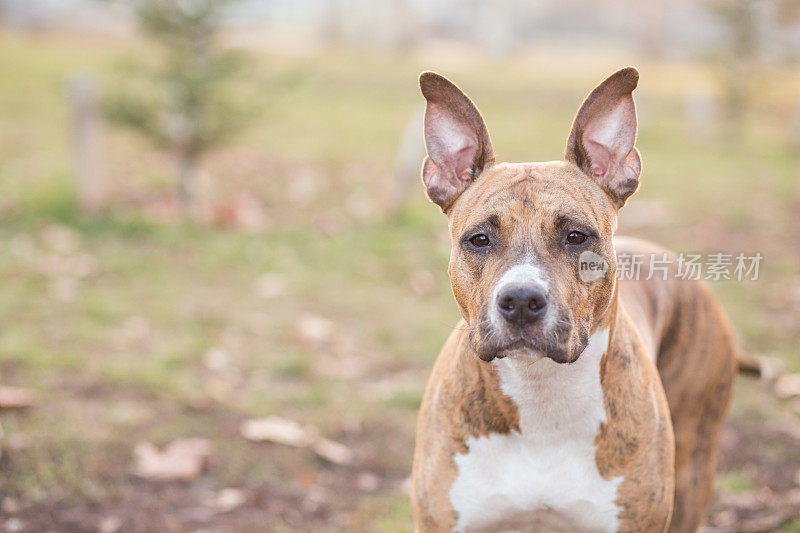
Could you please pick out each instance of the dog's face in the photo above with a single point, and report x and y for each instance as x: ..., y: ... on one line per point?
x: 532, y: 265
x: 518, y: 235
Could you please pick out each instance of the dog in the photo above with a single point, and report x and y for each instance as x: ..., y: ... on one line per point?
x: 562, y: 401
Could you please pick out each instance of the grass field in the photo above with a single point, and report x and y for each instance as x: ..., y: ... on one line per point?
x: 134, y: 326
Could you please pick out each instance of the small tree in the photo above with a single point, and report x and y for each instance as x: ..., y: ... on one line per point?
x: 190, y: 110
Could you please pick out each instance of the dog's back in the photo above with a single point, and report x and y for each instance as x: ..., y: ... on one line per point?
x: 689, y: 337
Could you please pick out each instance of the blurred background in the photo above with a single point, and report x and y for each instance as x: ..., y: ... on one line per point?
x: 222, y: 288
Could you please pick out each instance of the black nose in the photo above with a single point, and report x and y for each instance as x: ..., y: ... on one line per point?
x: 522, y: 304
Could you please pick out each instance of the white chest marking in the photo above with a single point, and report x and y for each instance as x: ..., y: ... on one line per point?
x: 543, y: 478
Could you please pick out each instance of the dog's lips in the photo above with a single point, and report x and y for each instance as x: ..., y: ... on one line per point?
x: 519, y: 347
x: 520, y: 344
x: 535, y: 341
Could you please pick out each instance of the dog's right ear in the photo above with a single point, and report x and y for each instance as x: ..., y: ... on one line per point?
x: 456, y: 138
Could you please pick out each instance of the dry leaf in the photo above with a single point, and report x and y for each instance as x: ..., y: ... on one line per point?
x: 788, y: 386
x: 770, y: 367
x: 10, y: 505
x: 276, y: 429
x: 228, y: 499
x: 314, y: 329
x: 183, y: 459
x: 109, y: 524
x: 60, y: 238
x: 290, y: 433
x: 333, y: 451
x: 14, y: 525
x: 217, y: 359
x: 16, y: 398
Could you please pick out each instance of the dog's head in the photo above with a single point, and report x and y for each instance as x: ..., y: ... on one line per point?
x: 532, y: 265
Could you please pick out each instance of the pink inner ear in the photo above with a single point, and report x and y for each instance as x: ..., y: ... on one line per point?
x: 608, y: 140
x: 463, y: 160
x: 451, y: 145
x: 600, y: 157
x: 456, y: 140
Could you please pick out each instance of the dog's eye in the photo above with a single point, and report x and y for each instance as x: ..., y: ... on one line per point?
x: 576, y: 237
x: 479, y: 241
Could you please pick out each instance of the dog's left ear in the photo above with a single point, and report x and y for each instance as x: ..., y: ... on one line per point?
x: 456, y: 138
x: 603, y: 134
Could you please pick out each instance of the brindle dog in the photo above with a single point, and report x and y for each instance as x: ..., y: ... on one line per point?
x: 559, y: 402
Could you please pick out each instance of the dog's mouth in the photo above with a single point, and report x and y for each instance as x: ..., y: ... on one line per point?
x: 552, y: 342
x: 523, y: 347
x: 518, y: 348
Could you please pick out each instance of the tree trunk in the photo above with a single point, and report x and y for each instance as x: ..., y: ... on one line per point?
x: 187, y: 169
x: 87, y: 138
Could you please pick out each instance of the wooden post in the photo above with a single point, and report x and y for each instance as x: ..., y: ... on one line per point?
x: 87, y: 141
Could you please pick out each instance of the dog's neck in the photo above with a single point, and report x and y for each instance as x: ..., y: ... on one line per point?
x: 558, y: 390
x: 560, y: 399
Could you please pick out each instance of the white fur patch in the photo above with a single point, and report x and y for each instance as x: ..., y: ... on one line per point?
x: 543, y: 478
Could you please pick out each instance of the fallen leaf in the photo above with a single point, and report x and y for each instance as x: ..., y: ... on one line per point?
x: 788, y: 386
x: 60, y: 238
x: 10, y: 505
x: 276, y: 429
x: 314, y: 329
x: 13, y: 525
x: 770, y: 367
x: 109, y: 524
x: 182, y: 459
x: 217, y: 359
x: 333, y: 451
x: 229, y: 499
x: 290, y: 433
x: 16, y: 398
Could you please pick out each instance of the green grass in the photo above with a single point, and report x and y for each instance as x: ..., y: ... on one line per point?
x: 734, y: 481
x: 120, y: 356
